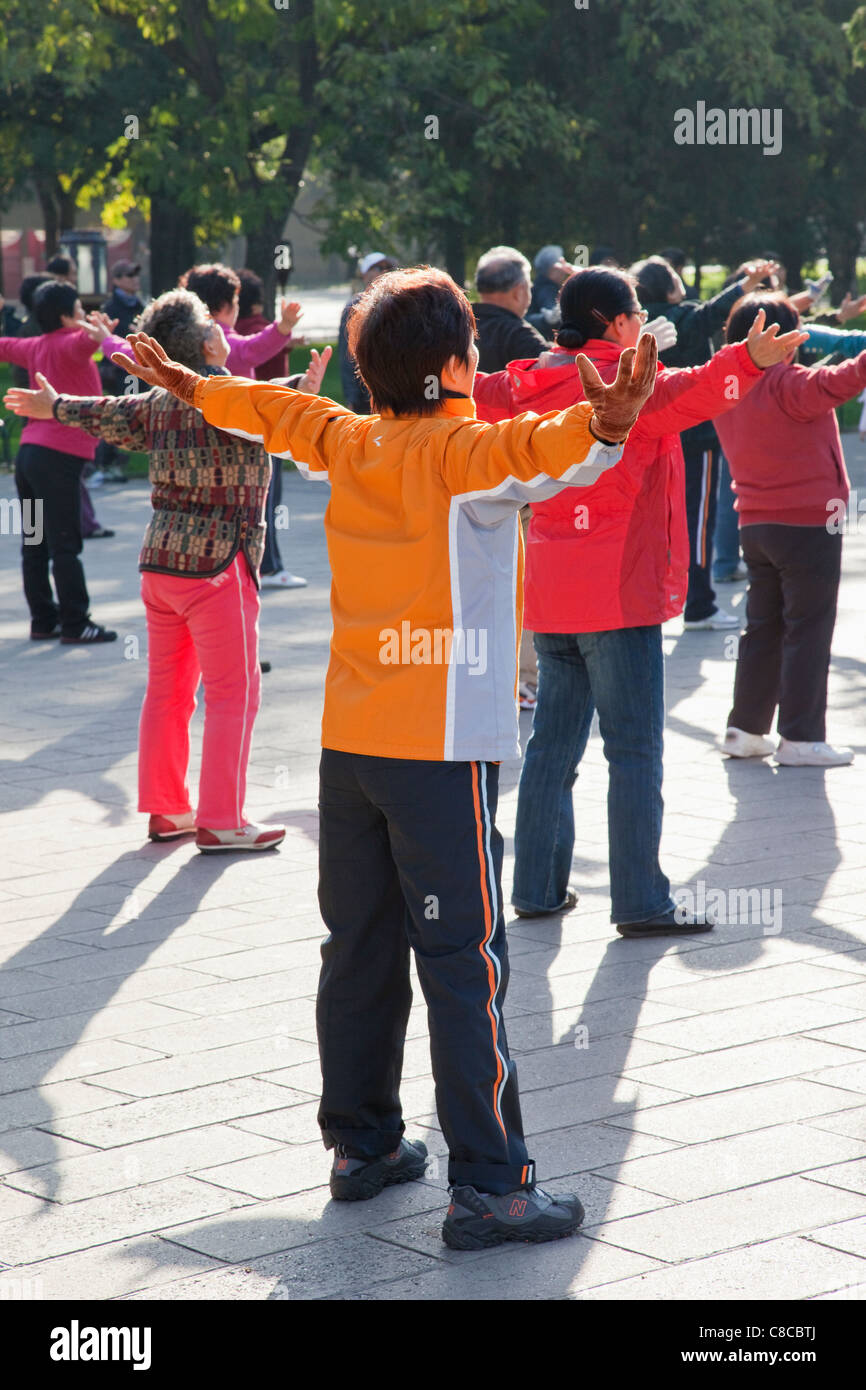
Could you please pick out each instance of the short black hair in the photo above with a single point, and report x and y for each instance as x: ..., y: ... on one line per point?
x: 603, y: 254
x: 60, y: 265
x: 216, y: 284
x: 252, y: 292
x: 52, y: 302
x: 29, y: 285
x: 656, y: 279
x: 590, y: 300
x: 777, y: 307
x: 675, y: 256
x: 402, y: 331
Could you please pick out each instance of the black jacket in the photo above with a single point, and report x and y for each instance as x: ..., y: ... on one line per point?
x: 355, y: 394
x: 504, y: 338
x: 697, y: 321
x: 115, y: 308
x: 112, y: 376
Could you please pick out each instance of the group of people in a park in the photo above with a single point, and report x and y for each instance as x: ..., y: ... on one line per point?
x: 461, y: 416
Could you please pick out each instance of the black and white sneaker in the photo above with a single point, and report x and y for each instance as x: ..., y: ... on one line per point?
x: 357, y: 1179
x: 90, y: 633
x: 676, y: 922
x: 568, y: 902
x: 477, y: 1220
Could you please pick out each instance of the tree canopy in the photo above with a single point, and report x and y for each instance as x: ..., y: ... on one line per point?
x: 441, y: 127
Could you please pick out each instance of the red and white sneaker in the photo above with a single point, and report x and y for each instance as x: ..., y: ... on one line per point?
x: 250, y: 836
x: 171, y: 827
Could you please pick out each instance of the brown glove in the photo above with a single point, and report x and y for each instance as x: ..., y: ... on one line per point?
x: 616, y: 407
x: 155, y: 367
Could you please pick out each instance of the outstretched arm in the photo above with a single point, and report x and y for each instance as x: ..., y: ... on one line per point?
x: 684, y: 396
x: 290, y: 424
x: 531, y: 457
x: 848, y: 341
x: 120, y: 420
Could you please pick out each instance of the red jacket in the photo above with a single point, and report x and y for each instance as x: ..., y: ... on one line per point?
x: 783, y: 445
x: 616, y: 555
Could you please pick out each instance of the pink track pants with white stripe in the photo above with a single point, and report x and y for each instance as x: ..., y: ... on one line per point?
x: 199, y: 629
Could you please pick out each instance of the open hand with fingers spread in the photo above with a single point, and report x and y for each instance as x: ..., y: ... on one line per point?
x: 313, y: 377
x: 851, y: 308
x: 99, y: 326
x: 153, y: 365
x: 616, y: 407
x: 37, y: 405
x: 766, y: 346
x: 290, y: 313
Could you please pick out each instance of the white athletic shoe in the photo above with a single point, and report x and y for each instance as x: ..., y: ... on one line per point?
x: 250, y: 836
x: 738, y: 744
x: 718, y: 621
x: 283, y: 580
x: 96, y: 479
x: 790, y: 754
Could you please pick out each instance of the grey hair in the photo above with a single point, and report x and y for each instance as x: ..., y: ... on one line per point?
x: 180, y: 323
x: 500, y: 269
x: 547, y: 256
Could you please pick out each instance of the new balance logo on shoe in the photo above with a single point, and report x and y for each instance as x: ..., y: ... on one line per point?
x: 518, y: 1207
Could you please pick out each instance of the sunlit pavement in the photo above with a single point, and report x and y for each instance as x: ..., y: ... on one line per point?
x: 705, y: 1097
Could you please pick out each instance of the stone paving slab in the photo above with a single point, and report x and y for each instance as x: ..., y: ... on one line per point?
x: 158, y: 1135
x: 790, y: 1268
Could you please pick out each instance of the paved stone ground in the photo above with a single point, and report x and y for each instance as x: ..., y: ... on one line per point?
x: 706, y: 1098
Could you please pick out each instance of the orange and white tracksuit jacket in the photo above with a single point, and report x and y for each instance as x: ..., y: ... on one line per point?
x: 426, y: 557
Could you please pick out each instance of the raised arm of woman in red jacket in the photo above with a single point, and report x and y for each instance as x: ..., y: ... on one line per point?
x: 684, y: 396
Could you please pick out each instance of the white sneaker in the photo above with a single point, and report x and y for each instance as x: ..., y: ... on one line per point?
x: 283, y: 580
x: 716, y: 622
x: 527, y: 695
x: 250, y: 836
x: 96, y: 479
x: 738, y: 744
x: 790, y: 754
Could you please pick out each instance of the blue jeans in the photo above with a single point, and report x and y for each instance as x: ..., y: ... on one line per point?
x: 621, y: 673
x: 726, y: 538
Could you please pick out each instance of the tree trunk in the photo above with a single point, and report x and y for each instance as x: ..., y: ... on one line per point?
x: 49, y: 217
x: 262, y: 244
x: 455, y: 252
x: 842, y: 247
x: 172, y: 242
x: 66, y: 210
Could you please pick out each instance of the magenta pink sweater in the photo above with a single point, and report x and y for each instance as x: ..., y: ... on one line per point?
x: 65, y: 358
x: 245, y: 353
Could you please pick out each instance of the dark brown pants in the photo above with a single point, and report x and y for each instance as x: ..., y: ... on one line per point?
x: 784, y: 656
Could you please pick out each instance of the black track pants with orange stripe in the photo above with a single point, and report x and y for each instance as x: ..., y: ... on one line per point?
x: 702, y: 487
x: 409, y: 857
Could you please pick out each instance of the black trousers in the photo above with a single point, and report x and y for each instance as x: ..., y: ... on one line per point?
x: 49, y: 487
x: 784, y: 655
x: 702, y: 488
x: 409, y: 857
x: 272, y: 560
